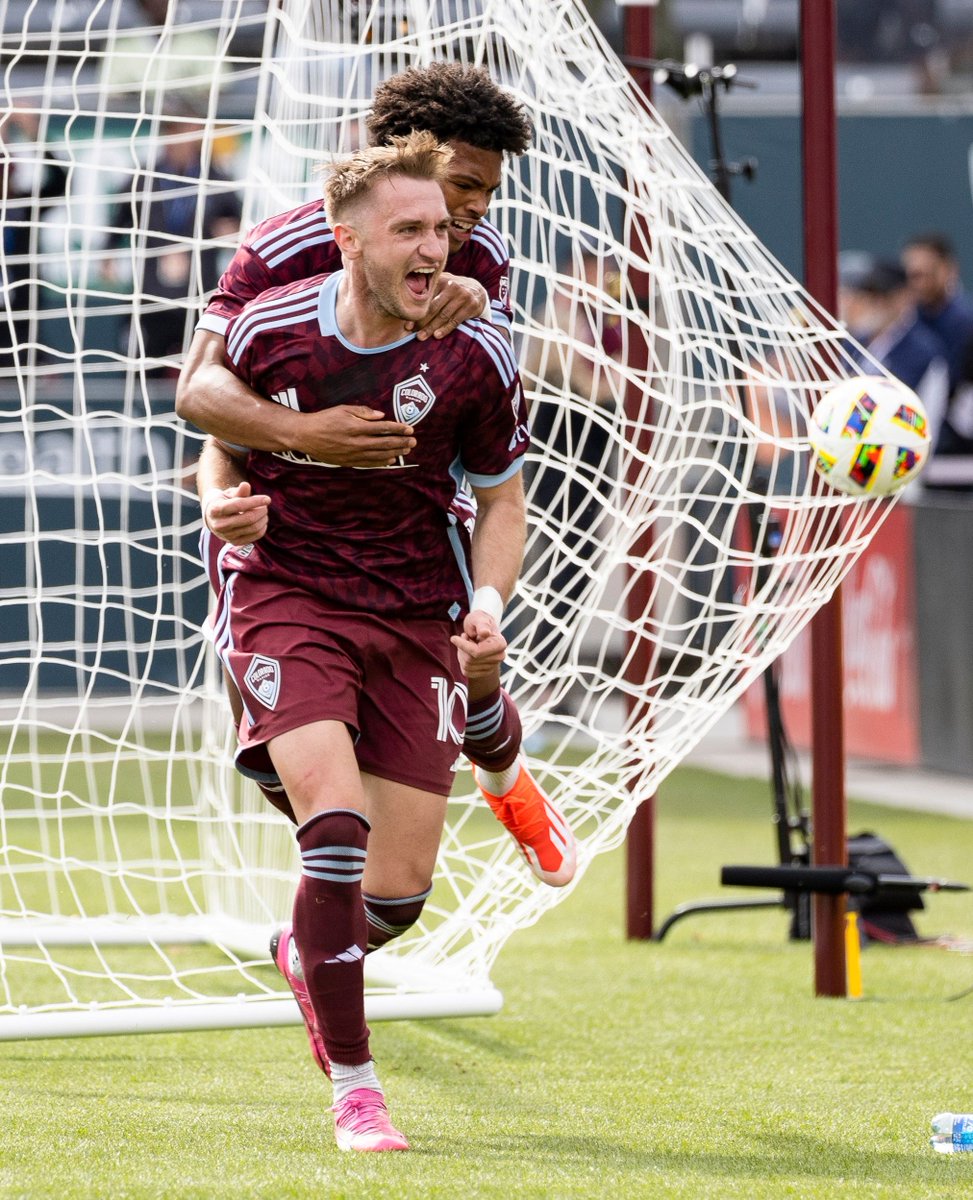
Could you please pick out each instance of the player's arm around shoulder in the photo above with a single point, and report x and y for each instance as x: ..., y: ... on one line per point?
x: 216, y: 400
x: 458, y: 298
x: 482, y: 291
x: 220, y: 402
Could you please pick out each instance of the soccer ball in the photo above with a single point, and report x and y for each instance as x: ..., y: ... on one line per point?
x: 870, y: 436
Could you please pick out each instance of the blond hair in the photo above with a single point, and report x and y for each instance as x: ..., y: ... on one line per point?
x: 417, y: 155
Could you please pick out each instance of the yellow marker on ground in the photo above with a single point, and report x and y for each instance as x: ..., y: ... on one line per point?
x: 853, y: 957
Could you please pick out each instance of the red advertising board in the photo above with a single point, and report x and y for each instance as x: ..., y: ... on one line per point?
x: 880, y: 668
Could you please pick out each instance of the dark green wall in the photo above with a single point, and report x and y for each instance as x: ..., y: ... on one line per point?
x: 896, y: 176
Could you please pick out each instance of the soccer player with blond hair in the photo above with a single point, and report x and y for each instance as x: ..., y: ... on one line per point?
x: 352, y: 626
x: 481, y: 123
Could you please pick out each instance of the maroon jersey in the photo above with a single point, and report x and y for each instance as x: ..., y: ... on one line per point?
x: 384, y: 540
x: 299, y: 244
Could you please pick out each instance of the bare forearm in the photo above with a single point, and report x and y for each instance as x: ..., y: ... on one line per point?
x: 498, y: 548
x: 499, y: 537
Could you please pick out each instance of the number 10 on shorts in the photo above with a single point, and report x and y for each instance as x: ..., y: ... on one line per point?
x: 451, y: 697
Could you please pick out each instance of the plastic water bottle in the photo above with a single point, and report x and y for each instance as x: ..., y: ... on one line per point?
x: 952, y: 1132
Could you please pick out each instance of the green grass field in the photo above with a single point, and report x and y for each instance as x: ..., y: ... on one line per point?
x: 701, y: 1067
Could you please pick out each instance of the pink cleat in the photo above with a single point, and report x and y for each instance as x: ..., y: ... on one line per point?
x: 283, y: 950
x: 361, y: 1122
x: 541, y: 833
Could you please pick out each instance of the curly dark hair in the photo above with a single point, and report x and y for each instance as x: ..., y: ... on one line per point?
x: 454, y: 102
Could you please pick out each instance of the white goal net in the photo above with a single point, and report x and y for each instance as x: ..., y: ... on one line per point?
x: 670, y: 364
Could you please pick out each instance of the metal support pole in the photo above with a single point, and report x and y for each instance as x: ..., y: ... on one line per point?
x: 829, y: 808
x: 639, y: 846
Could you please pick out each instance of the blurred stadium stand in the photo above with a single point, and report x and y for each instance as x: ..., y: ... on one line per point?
x: 868, y: 31
x: 36, y: 39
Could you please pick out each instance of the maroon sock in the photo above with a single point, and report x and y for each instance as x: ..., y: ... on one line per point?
x: 388, y: 919
x: 330, y: 929
x: 493, y: 732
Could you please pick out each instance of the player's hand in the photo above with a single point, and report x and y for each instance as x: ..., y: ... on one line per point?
x: 457, y: 299
x: 235, y: 515
x: 353, y: 435
x: 481, y: 646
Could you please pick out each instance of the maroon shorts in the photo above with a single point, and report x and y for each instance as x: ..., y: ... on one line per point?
x: 297, y: 658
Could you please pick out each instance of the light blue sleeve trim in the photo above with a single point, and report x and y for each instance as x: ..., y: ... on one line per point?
x: 499, y: 318
x: 213, y: 324
x: 489, y: 481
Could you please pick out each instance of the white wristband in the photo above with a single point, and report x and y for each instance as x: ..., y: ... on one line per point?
x: 207, y: 499
x: 488, y: 600
x: 487, y: 313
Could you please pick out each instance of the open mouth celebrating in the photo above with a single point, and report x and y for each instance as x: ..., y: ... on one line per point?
x: 419, y: 282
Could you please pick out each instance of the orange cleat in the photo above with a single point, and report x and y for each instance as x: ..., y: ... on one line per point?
x: 541, y: 833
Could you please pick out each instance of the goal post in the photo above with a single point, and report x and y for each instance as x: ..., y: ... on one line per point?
x: 140, y: 877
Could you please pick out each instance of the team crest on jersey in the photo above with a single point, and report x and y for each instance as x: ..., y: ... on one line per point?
x: 503, y: 290
x: 263, y: 679
x: 412, y: 399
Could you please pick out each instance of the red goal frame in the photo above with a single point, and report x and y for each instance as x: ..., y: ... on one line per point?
x: 820, y: 235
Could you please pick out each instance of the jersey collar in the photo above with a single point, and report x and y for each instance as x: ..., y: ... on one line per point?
x: 328, y: 321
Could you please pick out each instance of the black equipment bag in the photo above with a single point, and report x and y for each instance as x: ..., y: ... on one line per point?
x: 884, y: 914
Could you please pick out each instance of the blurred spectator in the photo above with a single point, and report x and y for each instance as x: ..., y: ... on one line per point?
x: 32, y: 182
x: 932, y: 270
x: 875, y: 304
x: 174, y: 243
x: 951, y: 466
